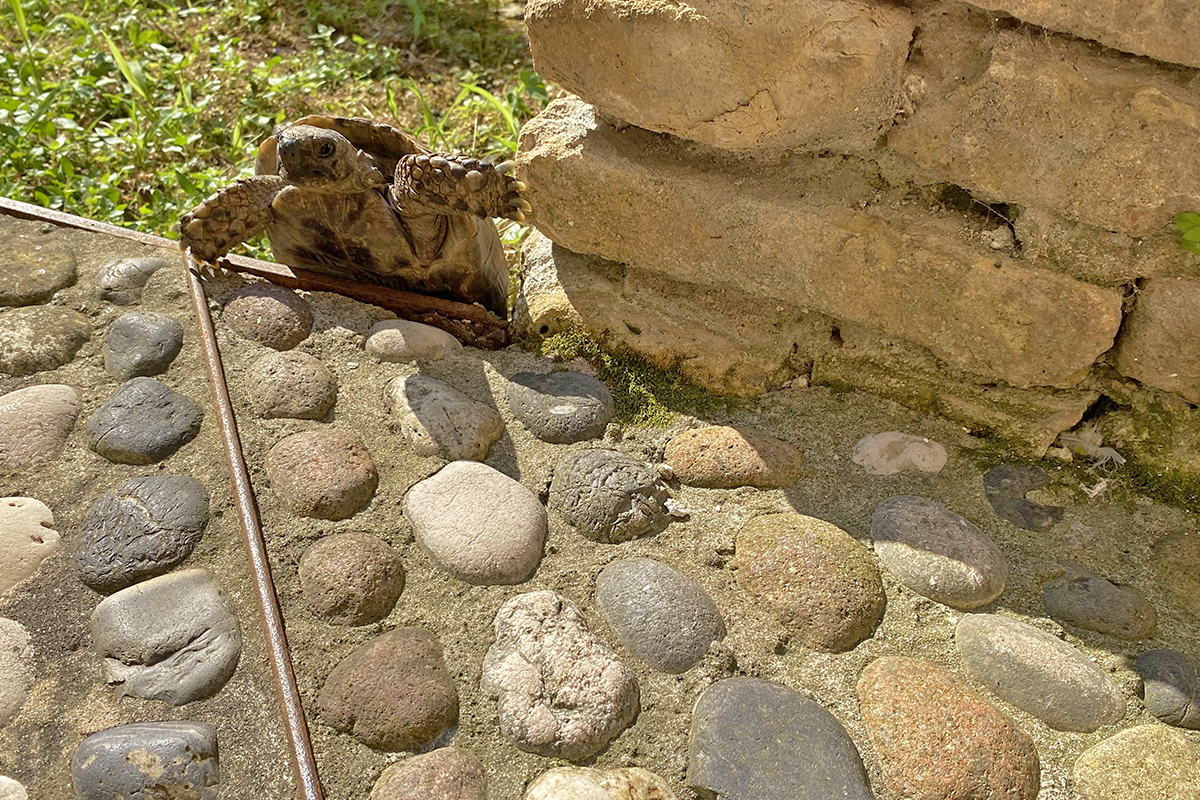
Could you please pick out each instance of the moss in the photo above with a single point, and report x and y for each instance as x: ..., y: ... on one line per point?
x: 644, y: 393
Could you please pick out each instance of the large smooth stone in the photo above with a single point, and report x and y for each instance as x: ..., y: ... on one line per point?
x: 585, y: 783
x: 325, y: 473
x: 400, y: 341
x: 1038, y: 673
x: 351, y: 578
x: 32, y: 271
x: 291, y: 385
x: 1149, y: 761
x: 561, y: 692
x: 27, y: 538
x: 16, y: 670
x: 1081, y: 598
x: 173, y: 638
x: 141, y: 343
x: 608, y: 496
x: 148, y: 761
x: 938, y: 739
x: 753, y: 739
x: 823, y: 585
x: 39, y: 338
x: 268, y: 314
x: 937, y: 553
x: 35, y: 423
x: 393, y: 693
x: 561, y: 407
x: 1006, y: 487
x: 121, y: 282
x: 1172, y: 687
x: 726, y: 457
x: 145, y: 527
x: 144, y: 421
x: 438, y: 420
x: 477, y: 524
x: 446, y: 773
x: 659, y: 613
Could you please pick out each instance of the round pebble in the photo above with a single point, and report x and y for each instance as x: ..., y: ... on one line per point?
x: 585, y: 783
x: 270, y: 315
x: 937, y: 553
x: 145, y: 527
x: 291, y: 385
x: 1085, y: 600
x: 938, y: 739
x: 892, y: 451
x: 725, y: 457
x: 144, y: 421
x: 172, y: 638
x: 561, y: 407
x: 1006, y: 487
x: 39, y: 338
x: 608, y: 496
x: 361, y: 695
x: 447, y: 773
x: 660, y: 614
x: 1149, y: 761
x: 16, y: 669
x: 561, y: 692
x: 11, y: 790
x: 400, y: 341
x: 1172, y: 687
x: 351, y: 578
x: 31, y: 272
x: 327, y: 473
x: 121, y: 282
x: 823, y: 585
x: 148, y: 760
x: 27, y: 538
x: 1037, y: 673
x: 477, y: 524
x: 35, y: 423
x: 141, y: 343
x: 753, y: 739
x: 438, y: 420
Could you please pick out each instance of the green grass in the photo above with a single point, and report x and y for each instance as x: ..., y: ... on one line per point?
x: 131, y: 112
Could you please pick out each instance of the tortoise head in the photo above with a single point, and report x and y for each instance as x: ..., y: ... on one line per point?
x: 324, y: 160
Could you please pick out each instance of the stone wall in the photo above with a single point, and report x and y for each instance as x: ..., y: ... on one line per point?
x: 968, y: 209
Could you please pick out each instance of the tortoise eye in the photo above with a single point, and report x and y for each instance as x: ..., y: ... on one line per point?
x: 325, y: 149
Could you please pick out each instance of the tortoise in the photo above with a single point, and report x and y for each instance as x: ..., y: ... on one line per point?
x: 361, y: 199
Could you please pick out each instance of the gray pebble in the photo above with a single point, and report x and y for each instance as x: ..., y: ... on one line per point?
x: 144, y: 421
x: 609, y: 496
x: 400, y: 341
x: 937, y: 553
x: 141, y: 343
x: 122, y: 282
x: 145, y: 527
x: 16, y: 669
x: 659, y: 613
x: 561, y: 407
x: 477, y: 524
x: 753, y: 739
x: 1039, y: 674
x: 438, y: 420
x: 363, y: 695
x: 1085, y: 600
x: 148, y: 761
x: 268, y: 314
x: 1172, y: 687
x: 172, y: 638
x: 35, y: 423
x: 32, y: 271
x: 544, y: 654
x: 39, y: 338
x: 291, y: 385
x: 1005, y: 488
x: 351, y: 578
x: 446, y: 773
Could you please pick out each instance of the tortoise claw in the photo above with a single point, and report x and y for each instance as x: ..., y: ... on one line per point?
x: 457, y: 182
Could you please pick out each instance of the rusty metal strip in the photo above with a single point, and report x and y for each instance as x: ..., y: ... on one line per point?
x: 295, y: 726
x: 471, y: 324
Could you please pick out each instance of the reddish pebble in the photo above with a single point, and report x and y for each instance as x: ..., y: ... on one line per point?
x: 725, y: 457
x: 324, y: 473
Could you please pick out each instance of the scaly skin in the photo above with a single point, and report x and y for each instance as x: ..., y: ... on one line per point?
x: 229, y: 217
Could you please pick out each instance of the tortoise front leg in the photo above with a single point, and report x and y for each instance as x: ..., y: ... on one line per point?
x: 449, y: 184
x: 229, y: 217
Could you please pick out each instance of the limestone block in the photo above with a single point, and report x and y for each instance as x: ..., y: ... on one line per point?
x: 800, y: 75
x: 542, y: 307
x: 1160, y: 342
x: 1054, y: 124
x: 1166, y: 30
x: 765, y: 229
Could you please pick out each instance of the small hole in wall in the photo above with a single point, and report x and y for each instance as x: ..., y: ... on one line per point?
x: 835, y: 336
x: 544, y: 330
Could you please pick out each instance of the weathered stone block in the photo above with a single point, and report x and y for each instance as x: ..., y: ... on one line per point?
x: 769, y: 231
x: 801, y: 75
x: 1160, y: 341
x: 1166, y: 30
x: 1055, y: 124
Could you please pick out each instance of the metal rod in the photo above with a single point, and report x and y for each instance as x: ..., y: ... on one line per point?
x: 247, y: 510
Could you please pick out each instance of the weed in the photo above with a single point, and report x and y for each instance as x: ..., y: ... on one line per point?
x: 1189, y: 228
